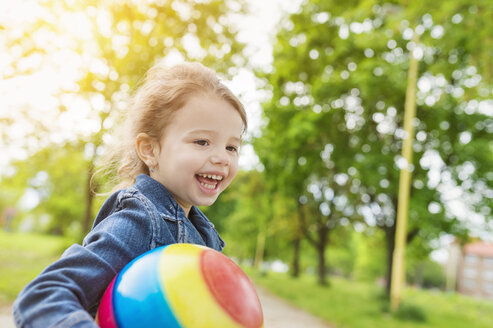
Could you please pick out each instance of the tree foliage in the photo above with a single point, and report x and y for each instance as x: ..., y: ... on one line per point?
x: 334, y: 132
x: 112, y: 48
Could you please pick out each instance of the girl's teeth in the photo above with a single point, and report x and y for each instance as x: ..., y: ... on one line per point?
x: 212, y: 176
x: 208, y: 186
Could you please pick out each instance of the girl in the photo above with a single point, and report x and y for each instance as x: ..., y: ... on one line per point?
x: 180, y: 151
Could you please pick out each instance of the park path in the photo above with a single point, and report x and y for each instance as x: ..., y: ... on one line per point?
x: 277, y: 314
x: 280, y: 314
x: 6, y: 319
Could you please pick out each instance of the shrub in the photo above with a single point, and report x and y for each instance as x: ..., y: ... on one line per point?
x: 410, y: 312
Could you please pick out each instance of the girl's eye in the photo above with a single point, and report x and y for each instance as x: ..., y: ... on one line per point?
x: 232, y: 148
x: 201, y: 142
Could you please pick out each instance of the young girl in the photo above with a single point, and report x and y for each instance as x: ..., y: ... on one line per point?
x: 184, y: 132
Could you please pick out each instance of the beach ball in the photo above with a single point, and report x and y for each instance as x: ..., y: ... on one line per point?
x: 180, y: 286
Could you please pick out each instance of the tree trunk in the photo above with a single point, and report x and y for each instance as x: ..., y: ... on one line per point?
x: 419, y: 275
x: 88, y: 216
x: 323, y: 234
x: 259, y: 251
x: 295, y: 267
x: 322, y: 270
x: 390, y: 240
x: 319, y: 243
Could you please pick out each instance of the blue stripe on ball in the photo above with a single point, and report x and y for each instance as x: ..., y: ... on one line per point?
x: 138, y: 300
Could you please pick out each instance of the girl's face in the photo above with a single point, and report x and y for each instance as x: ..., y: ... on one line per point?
x: 198, y: 154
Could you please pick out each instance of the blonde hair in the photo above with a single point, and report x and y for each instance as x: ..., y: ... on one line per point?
x: 164, y: 91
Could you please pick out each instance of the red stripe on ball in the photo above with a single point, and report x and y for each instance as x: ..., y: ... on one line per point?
x: 231, y: 288
x: 105, y: 316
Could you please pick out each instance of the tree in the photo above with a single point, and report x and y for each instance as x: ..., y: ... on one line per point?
x: 53, y: 175
x: 113, y: 47
x: 338, y: 83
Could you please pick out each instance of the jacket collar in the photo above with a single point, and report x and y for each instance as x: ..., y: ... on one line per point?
x: 165, y: 203
x: 159, y: 196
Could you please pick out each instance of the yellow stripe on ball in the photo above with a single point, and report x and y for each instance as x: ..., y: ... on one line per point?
x: 186, y: 290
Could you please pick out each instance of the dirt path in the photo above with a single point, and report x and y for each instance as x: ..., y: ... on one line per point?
x: 277, y: 314
x: 6, y: 320
x: 280, y: 314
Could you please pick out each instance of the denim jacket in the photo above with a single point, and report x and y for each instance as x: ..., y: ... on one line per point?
x: 131, y: 222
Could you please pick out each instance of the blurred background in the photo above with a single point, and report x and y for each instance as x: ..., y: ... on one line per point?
x: 312, y: 213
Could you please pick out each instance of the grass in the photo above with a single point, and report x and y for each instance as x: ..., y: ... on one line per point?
x: 22, y: 257
x: 360, y: 305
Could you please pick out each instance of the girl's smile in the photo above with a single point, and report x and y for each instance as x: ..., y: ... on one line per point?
x: 209, y: 181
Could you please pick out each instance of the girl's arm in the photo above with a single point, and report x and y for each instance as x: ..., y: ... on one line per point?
x: 66, y: 292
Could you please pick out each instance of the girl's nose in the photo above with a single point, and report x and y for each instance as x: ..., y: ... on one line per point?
x: 220, y: 157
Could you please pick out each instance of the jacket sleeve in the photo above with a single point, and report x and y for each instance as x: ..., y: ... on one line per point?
x: 66, y: 291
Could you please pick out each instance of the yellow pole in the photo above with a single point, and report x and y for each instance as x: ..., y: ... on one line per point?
x: 404, y: 184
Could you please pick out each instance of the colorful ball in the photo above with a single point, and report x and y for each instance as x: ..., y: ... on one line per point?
x: 180, y: 286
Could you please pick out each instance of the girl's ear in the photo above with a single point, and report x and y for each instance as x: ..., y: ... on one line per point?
x: 147, y: 149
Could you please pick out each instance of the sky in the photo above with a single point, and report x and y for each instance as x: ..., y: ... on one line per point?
x: 258, y: 32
